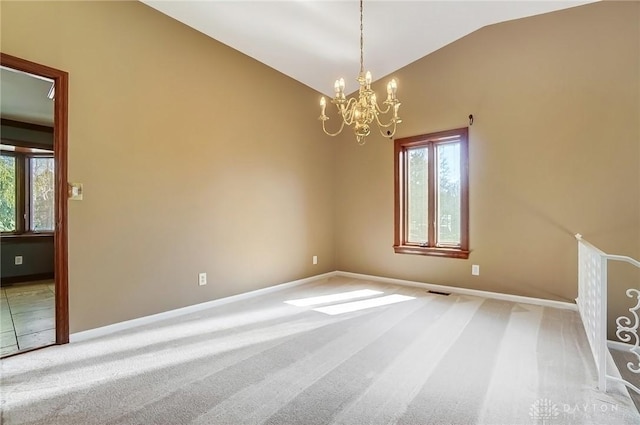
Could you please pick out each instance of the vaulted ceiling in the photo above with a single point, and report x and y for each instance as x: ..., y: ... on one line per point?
x: 316, y: 42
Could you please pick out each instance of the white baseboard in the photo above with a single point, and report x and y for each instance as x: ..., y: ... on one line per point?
x: 128, y: 324
x: 617, y: 345
x: 464, y: 291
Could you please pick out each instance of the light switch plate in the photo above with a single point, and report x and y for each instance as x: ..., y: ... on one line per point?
x: 75, y: 191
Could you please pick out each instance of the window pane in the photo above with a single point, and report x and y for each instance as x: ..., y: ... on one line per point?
x: 417, y: 196
x: 42, y: 194
x: 448, y: 229
x: 7, y: 193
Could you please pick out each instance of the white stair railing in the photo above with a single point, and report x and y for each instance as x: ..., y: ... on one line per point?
x: 592, y: 305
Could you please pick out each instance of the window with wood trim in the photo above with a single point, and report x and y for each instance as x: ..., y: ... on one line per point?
x: 432, y: 194
x: 27, y: 202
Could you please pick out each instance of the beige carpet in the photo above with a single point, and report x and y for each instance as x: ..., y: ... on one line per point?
x: 423, y: 359
x: 622, y: 358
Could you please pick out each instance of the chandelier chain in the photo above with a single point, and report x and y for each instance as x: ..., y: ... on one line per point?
x: 361, y: 40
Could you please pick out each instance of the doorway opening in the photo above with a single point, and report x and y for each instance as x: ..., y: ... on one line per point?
x: 35, y: 169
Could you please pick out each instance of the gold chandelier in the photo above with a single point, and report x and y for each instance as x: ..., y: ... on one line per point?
x: 364, y: 110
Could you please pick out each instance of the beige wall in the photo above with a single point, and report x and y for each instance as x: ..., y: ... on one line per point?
x: 554, y: 151
x: 194, y: 158
x: 176, y: 183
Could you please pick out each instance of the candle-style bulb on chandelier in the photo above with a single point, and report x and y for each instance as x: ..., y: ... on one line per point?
x: 363, y: 111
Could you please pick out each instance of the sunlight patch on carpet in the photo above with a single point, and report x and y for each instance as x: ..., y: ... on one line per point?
x: 190, y: 325
x: 364, y: 304
x: 126, y: 365
x: 324, y: 299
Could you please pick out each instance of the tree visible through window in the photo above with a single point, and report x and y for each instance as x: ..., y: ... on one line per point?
x: 7, y: 193
x: 27, y: 196
x: 42, y: 194
x: 431, y: 196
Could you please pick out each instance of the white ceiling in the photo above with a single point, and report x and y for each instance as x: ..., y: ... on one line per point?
x: 316, y: 42
x: 23, y: 97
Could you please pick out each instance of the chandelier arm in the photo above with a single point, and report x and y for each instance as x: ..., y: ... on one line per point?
x: 393, y: 132
x: 350, y: 103
x: 385, y: 110
x: 392, y: 122
x: 332, y: 134
x: 340, y: 104
x: 348, y: 114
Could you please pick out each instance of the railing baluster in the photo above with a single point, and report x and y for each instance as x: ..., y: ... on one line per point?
x: 592, y: 305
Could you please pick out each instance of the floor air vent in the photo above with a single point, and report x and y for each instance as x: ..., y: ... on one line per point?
x: 440, y: 293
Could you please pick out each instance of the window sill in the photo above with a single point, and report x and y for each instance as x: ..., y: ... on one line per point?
x: 433, y: 252
x: 26, y: 237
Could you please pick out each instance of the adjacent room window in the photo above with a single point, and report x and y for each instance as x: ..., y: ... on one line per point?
x: 432, y: 194
x: 27, y: 196
x: 41, y: 194
x: 8, y: 211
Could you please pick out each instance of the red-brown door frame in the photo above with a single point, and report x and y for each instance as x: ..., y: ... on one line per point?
x: 60, y: 115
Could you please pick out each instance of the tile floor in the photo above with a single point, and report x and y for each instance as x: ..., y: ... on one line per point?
x: 27, y: 316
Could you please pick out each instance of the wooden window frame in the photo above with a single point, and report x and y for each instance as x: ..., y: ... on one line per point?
x: 23, y: 191
x: 430, y: 141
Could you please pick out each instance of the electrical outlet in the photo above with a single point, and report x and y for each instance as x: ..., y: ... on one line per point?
x: 475, y: 270
x: 315, y: 259
x: 18, y: 260
x: 202, y: 279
